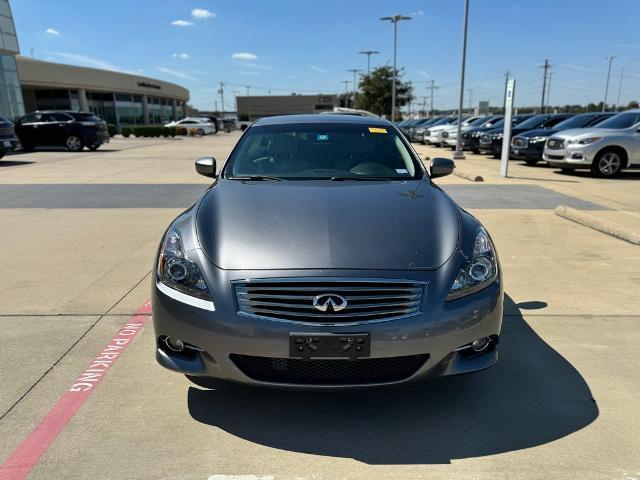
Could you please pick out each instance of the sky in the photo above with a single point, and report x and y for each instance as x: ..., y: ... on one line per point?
x: 285, y: 46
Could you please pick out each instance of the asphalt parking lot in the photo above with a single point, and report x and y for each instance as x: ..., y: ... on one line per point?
x: 80, y: 233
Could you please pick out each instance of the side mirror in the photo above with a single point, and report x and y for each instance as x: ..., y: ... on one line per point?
x: 206, y: 166
x: 441, y: 167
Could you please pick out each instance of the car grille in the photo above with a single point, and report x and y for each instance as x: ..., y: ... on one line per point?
x: 519, y: 142
x: 292, y: 299
x: 555, y: 157
x: 485, y: 139
x: 329, y: 372
x: 555, y: 144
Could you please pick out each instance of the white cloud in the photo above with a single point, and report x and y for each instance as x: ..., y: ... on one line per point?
x: 52, y: 32
x: 202, y: 13
x: 315, y: 68
x: 244, y: 56
x: 78, y: 58
x: 252, y: 73
x: 418, y: 13
x: 176, y: 73
x: 181, y: 23
x: 181, y: 56
x: 424, y: 73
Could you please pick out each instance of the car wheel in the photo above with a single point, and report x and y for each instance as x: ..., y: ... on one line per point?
x: 2, y: 153
x: 94, y: 148
x: 200, y: 131
x: 531, y: 162
x: 73, y: 143
x: 607, y: 164
x: 27, y: 147
x: 476, y: 151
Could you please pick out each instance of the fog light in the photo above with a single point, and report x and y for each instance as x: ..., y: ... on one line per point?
x: 174, y: 344
x: 480, y: 344
x: 577, y: 156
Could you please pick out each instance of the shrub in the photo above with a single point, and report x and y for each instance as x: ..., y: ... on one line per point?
x: 181, y: 131
x: 112, y: 129
x: 193, y: 132
x: 126, y: 132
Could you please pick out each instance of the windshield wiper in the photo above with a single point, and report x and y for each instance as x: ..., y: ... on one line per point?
x: 379, y: 179
x: 257, y: 178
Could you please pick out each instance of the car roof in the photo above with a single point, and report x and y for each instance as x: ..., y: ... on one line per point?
x: 320, y: 119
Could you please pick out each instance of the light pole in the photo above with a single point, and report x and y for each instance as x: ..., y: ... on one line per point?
x: 394, y: 20
x: 459, y: 155
x: 355, y: 84
x: 368, y: 53
x: 346, y: 91
x: 620, y: 84
x: 606, y: 88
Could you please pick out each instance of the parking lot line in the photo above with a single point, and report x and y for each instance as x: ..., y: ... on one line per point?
x: 29, y: 452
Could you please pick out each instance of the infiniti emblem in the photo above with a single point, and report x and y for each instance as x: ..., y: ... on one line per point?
x: 331, y: 302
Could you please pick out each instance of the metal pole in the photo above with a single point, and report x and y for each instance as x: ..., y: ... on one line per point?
x: 248, y: 104
x: 355, y: 83
x: 504, y: 102
x: 393, y: 87
x: 459, y: 155
x: 606, y: 88
x: 620, y: 84
x: 368, y: 53
x: 548, y: 92
x: 544, y: 84
x: 346, y: 91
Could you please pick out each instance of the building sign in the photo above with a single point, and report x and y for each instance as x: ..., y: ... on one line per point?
x: 149, y: 85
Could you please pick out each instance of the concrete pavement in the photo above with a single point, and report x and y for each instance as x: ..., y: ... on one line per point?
x: 558, y: 405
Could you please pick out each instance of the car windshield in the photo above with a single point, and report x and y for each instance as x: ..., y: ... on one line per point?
x: 322, y: 151
x: 85, y: 117
x: 578, y: 121
x: 533, y: 122
x: 622, y: 120
x: 477, y: 122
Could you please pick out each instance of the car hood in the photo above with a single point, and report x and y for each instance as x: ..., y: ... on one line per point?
x: 538, y: 132
x: 587, y: 132
x: 385, y: 225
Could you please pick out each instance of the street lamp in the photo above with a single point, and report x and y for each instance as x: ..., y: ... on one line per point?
x: 368, y: 53
x: 458, y: 154
x: 355, y: 84
x: 620, y: 84
x: 394, y: 20
x: 346, y: 91
x: 606, y: 88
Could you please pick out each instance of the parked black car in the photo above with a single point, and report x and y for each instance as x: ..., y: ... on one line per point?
x: 406, y: 127
x: 491, y: 141
x: 528, y: 146
x: 471, y: 138
x: 73, y: 130
x: 8, y: 139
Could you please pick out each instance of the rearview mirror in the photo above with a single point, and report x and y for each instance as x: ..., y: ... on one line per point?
x: 206, y: 166
x: 441, y: 167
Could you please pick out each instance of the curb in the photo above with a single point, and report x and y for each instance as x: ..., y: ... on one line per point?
x: 471, y: 178
x: 609, y: 228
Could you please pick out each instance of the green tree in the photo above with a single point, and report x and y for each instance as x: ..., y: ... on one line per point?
x: 375, y: 91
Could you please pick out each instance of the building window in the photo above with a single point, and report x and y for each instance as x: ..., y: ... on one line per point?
x: 11, y: 103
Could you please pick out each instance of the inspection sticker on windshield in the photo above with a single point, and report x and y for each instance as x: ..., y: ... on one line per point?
x: 377, y: 130
x: 322, y: 137
x: 402, y: 170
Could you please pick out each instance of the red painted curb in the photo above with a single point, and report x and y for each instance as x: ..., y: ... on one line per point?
x: 29, y: 452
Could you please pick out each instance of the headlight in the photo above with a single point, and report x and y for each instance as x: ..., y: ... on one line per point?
x: 497, y: 136
x: 537, y: 139
x: 587, y: 141
x: 477, y: 272
x: 179, y: 273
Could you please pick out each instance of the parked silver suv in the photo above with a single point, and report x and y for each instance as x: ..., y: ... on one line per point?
x: 606, y: 149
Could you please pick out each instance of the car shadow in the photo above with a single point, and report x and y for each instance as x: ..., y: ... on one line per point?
x: 13, y: 163
x: 531, y: 397
x: 624, y: 175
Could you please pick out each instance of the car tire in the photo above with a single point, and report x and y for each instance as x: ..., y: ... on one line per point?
x: 476, y: 151
x: 200, y: 132
x: 2, y: 153
x: 607, y: 164
x: 93, y: 148
x: 73, y: 143
x: 27, y: 147
x: 531, y: 162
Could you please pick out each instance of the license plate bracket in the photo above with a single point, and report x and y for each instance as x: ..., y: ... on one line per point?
x: 329, y: 345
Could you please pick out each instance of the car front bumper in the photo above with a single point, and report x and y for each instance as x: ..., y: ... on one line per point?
x: 571, y: 156
x: 221, y: 335
x: 533, y: 151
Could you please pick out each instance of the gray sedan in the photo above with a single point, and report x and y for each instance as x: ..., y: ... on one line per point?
x: 324, y: 256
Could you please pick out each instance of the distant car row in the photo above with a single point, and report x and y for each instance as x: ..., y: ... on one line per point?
x: 77, y: 130
x: 602, y: 142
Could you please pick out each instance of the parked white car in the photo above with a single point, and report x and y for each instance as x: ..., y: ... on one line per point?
x: 200, y: 125
x: 605, y: 149
x: 433, y: 135
x: 450, y: 134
